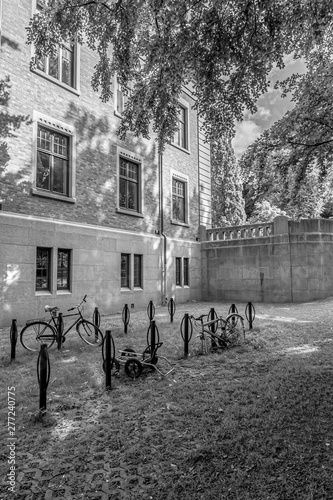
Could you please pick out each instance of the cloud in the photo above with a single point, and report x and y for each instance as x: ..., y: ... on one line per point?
x: 246, y: 133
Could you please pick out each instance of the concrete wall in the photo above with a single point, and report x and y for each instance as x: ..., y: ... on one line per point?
x: 294, y: 263
x: 96, y: 253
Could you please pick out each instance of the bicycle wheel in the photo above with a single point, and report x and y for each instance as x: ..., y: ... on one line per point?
x: 89, y: 333
x: 36, y: 333
x: 234, y: 329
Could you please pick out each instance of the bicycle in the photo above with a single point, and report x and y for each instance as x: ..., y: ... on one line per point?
x: 40, y: 331
x: 232, y: 331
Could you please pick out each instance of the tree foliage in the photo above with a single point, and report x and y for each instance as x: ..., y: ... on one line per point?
x: 227, y: 197
x: 290, y: 165
x: 223, y: 48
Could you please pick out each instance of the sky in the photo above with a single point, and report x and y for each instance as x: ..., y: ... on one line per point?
x: 271, y: 107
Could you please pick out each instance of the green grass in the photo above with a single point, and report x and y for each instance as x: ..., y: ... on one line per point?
x: 250, y: 423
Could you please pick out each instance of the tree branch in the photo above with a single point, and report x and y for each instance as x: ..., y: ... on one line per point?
x: 314, y: 145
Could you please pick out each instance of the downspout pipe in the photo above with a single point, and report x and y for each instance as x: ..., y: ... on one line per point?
x: 162, y: 234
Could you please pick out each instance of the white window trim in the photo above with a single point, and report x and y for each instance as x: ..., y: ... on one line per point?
x: 184, y: 104
x: 63, y: 128
x: 183, y: 178
x: 53, y: 273
x: 77, y: 53
x: 129, y: 155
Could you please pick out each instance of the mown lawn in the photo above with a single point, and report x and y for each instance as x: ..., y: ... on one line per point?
x: 253, y: 422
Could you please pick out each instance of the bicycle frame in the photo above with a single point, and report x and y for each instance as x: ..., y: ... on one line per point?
x: 55, y: 321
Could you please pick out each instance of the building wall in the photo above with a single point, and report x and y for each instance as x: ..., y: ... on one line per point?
x: 91, y: 225
x: 96, y: 254
x: 283, y: 261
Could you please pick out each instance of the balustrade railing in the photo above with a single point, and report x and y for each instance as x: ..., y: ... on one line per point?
x: 240, y: 232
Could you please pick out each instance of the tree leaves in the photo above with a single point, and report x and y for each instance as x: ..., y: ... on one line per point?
x: 224, y: 48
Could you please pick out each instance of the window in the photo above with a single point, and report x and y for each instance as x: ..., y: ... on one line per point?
x: 125, y: 270
x: 52, y: 161
x: 128, y: 185
x: 62, y: 66
x: 43, y: 269
x: 180, y: 137
x: 63, y: 269
x: 178, y: 271
x: 186, y: 270
x: 178, y: 200
x: 137, y: 271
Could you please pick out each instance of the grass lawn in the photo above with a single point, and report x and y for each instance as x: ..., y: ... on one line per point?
x: 254, y: 422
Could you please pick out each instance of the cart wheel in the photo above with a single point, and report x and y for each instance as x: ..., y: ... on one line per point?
x: 133, y: 368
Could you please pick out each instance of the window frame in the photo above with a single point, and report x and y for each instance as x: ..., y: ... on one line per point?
x: 137, y: 285
x: 48, y: 289
x: 126, y: 286
x: 179, y: 177
x: 186, y: 272
x: 76, y: 64
x: 134, y: 158
x: 185, y: 107
x: 69, y: 268
x: 63, y: 129
x: 178, y: 271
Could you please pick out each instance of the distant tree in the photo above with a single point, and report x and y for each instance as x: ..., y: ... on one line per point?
x: 264, y: 212
x: 223, y: 48
x: 227, y: 198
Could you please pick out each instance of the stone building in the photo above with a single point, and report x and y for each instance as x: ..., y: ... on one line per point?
x: 83, y: 212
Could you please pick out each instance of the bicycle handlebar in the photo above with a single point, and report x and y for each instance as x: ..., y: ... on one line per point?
x: 78, y: 305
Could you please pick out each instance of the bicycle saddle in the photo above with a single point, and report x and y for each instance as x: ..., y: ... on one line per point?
x: 50, y: 309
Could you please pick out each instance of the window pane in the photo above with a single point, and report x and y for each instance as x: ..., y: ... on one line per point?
x: 138, y: 271
x: 60, y: 144
x: 120, y: 101
x: 132, y: 202
x: 43, y: 171
x: 63, y: 270
x: 178, y: 271
x: 60, y: 172
x: 54, y: 66
x: 44, y: 139
x: 43, y: 269
x: 123, y: 167
x: 178, y: 209
x: 124, y: 271
x: 122, y: 193
x: 67, y: 66
x: 186, y: 272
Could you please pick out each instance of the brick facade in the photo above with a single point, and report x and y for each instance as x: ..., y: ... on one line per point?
x: 96, y: 148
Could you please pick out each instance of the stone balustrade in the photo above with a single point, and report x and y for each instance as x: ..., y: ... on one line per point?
x: 240, y: 232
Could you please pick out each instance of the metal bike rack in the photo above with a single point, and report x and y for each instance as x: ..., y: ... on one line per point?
x: 126, y: 317
x: 250, y: 314
x: 43, y: 375
x: 186, y: 331
x: 171, y: 309
x: 13, y: 339
x: 151, y: 310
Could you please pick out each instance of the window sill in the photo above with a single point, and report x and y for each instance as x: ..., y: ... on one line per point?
x: 179, y: 223
x: 123, y: 289
x: 64, y: 292
x: 180, y: 148
x: 138, y: 289
x: 46, y: 194
x: 129, y: 212
x: 57, y: 82
x: 41, y: 293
